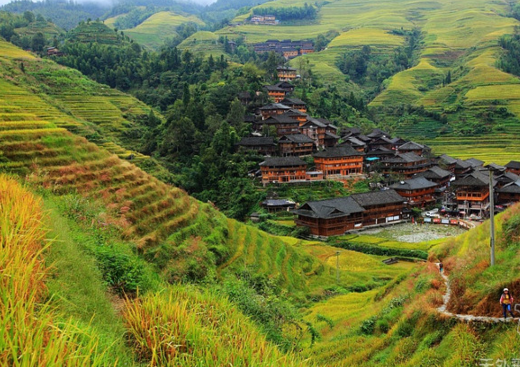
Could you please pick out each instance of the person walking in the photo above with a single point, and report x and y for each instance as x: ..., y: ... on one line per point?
x: 506, y: 300
x: 441, y: 267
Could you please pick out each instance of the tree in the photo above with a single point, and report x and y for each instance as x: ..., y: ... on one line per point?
x: 236, y: 114
x: 38, y: 42
x: 29, y: 17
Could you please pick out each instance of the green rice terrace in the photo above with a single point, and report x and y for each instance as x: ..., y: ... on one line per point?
x: 106, y: 264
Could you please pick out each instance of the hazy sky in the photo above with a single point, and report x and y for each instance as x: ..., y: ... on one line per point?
x: 204, y: 2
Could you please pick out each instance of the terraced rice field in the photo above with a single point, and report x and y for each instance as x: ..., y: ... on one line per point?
x: 153, y: 31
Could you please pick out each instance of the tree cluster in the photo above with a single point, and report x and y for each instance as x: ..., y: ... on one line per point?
x: 289, y: 13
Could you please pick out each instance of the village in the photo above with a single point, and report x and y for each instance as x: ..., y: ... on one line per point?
x: 411, y: 177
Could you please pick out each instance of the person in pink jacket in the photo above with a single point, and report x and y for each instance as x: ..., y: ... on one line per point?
x: 506, y: 300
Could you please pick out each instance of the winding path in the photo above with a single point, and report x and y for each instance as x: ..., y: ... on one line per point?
x: 443, y: 309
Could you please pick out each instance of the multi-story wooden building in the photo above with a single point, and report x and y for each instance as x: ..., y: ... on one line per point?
x: 510, y: 193
x: 295, y: 145
x: 284, y: 124
x: 286, y: 86
x: 286, y: 73
x: 418, y: 192
x: 282, y: 170
x: 413, y: 147
x: 381, y: 142
x: 322, y: 132
x: 336, y: 216
x: 339, y: 161
x: 406, y: 164
x: 273, y: 109
x: 472, y: 192
x: 355, y: 143
x: 276, y: 93
x: 259, y: 144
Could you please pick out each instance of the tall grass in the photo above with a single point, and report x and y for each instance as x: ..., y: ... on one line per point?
x: 187, y: 327
x: 29, y: 336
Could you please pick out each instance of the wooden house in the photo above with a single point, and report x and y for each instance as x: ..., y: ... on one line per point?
x: 286, y: 86
x: 381, y: 142
x: 296, y: 145
x: 336, y: 216
x: 278, y: 205
x: 286, y: 73
x: 418, y: 192
x: 510, y: 193
x: 275, y: 92
x: 284, y: 124
x: 323, y: 134
x: 406, y: 165
x: 339, y: 161
x: 295, y: 104
x: 377, y: 133
x: 330, y: 217
x: 448, y: 163
x: 472, y: 192
x: 261, y: 145
x: 273, y: 109
x: 413, y: 147
x: 355, y: 143
x: 282, y: 170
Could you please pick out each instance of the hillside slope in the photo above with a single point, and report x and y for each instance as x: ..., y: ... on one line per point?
x: 38, y: 111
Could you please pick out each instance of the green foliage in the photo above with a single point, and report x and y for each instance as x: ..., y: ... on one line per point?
x: 289, y: 13
x: 368, y: 326
x: 508, y: 60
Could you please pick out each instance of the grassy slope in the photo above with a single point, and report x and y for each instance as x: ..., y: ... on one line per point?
x: 203, y: 42
x: 165, y: 223
x: 156, y: 29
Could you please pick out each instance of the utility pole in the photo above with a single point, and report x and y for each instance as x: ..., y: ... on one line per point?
x: 491, y: 217
x: 337, y: 266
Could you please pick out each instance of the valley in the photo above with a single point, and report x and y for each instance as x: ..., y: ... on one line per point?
x: 126, y: 205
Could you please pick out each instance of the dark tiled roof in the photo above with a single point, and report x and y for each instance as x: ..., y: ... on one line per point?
x: 256, y: 141
x: 331, y: 135
x: 273, y: 88
x: 411, y: 146
x: 283, y: 162
x: 285, y: 85
x: 278, y: 202
x: 376, y: 133
x: 512, y: 188
x: 473, y: 179
x: 316, y: 122
x: 342, y: 151
x: 275, y: 106
x: 349, y: 131
x: 462, y: 164
x: 281, y: 119
x: 332, y: 208
x: 496, y: 167
x: 513, y: 165
x: 404, y: 157
x: 354, y: 142
x: 296, y: 138
x: 435, y: 172
x: 381, y: 140
x: 414, y: 184
x: 473, y: 162
x: 285, y: 68
x: 447, y: 159
x: 378, y: 198
x: 293, y: 101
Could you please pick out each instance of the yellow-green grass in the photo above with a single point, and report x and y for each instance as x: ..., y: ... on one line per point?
x: 49, y: 30
x: 30, y: 333
x: 367, y: 36
x: 157, y: 28
x: 12, y: 52
x: 184, y: 327
x: 203, y: 42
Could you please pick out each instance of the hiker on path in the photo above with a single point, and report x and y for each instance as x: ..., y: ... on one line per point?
x: 506, y: 300
x: 441, y: 267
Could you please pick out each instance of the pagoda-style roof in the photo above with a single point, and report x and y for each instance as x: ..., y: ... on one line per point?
x: 328, y: 209
x: 417, y: 183
x: 435, y: 173
x: 474, y: 179
x: 511, y: 188
x: 378, y: 198
x: 293, y: 102
x: 275, y: 106
x: 285, y: 85
x: 256, y: 141
x: 283, y: 162
x: 296, y: 138
x: 404, y: 158
x: 411, y: 146
x: 377, y: 133
x: 274, y: 88
x: 513, y: 165
x: 340, y: 151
